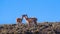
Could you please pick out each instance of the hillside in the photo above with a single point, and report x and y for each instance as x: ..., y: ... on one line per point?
x: 41, y: 28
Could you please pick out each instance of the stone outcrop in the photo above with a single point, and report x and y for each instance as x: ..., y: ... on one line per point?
x: 41, y: 28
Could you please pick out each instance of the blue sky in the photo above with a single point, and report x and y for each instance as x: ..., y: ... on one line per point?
x: 44, y: 10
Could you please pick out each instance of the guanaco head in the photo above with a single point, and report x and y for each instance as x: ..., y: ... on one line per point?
x: 24, y: 16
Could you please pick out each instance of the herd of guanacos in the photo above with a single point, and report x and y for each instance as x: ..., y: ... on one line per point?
x: 29, y: 21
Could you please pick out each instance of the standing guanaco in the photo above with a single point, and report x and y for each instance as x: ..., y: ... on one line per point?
x: 30, y: 20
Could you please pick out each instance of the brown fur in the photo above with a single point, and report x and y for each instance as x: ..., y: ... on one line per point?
x: 19, y: 20
x: 30, y: 20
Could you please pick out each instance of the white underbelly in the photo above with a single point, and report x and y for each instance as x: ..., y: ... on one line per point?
x: 27, y: 22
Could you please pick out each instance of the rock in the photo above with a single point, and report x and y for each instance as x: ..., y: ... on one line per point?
x: 41, y: 28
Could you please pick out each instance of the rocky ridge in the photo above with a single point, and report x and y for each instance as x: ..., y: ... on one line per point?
x: 40, y: 28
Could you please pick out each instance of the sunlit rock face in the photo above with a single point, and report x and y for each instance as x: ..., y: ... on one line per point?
x: 40, y: 28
